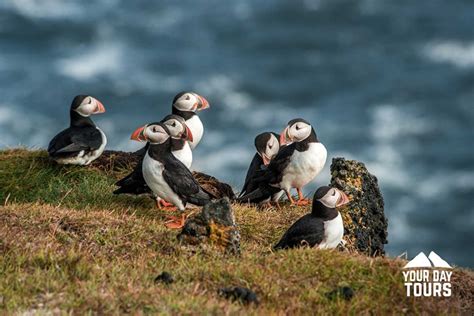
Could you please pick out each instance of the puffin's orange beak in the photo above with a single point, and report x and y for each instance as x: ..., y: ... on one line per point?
x: 188, y: 135
x: 139, y: 135
x: 284, y: 137
x: 203, y: 104
x: 100, y: 107
x: 343, y: 200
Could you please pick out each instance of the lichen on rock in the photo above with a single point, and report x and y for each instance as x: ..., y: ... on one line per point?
x: 216, y: 225
x: 365, y: 224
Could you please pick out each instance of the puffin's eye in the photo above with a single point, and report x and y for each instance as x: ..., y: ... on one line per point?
x: 90, y: 100
x: 187, y: 97
x: 297, y: 127
x: 333, y: 192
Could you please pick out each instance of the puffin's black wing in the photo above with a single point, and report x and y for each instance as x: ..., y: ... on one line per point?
x: 263, y: 179
x: 134, y: 183
x: 274, y: 173
x: 74, y: 139
x: 307, y: 230
x: 255, y: 165
x: 182, y: 182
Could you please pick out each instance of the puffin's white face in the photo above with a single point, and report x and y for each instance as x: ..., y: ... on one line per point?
x: 298, y: 131
x: 178, y: 129
x: 272, y: 148
x: 153, y: 133
x: 90, y: 106
x: 191, y: 102
x: 334, y: 198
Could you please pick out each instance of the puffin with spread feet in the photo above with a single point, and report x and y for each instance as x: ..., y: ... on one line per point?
x: 295, y: 165
x: 166, y: 176
x: 267, y: 146
x: 83, y: 141
x: 323, y: 227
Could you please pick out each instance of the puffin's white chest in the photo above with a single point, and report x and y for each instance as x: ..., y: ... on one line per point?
x: 304, y: 166
x: 185, y: 155
x: 93, y: 155
x: 197, y: 129
x: 153, y: 175
x: 333, y: 232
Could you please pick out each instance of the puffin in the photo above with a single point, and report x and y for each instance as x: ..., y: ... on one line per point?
x: 301, y: 158
x: 186, y: 104
x: 135, y: 183
x: 323, y: 227
x: 267, y: 145
x: 166, y: 176
x: 82, y: 142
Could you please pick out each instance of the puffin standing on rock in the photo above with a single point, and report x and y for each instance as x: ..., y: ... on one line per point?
x: 83, y: 141
x: 323, y: 227
x: 166, y: 176
x: 267, y: 146
x: 294, y: 166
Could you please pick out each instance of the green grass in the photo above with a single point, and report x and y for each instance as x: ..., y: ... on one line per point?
x: 68, y: 245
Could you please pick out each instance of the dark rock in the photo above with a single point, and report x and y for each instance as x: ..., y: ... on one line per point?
x: 215, y: 224
x: 365, y: 224
x: 165, y: 278
x: 242, y: 294
x: 344, y: 292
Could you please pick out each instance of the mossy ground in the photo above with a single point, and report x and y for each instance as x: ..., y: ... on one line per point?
x: 68, y: 245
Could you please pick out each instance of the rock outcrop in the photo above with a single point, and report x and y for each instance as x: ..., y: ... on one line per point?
x: 216, y: 225
x: 365, y: 223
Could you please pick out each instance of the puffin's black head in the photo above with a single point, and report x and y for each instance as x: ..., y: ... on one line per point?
x: 155, y: 133
x: 86, y: 105
x: 267, y: 146
x: 177, y: 127
x: 329, y: 197
x: 189, y: 102
x: 296, y: 131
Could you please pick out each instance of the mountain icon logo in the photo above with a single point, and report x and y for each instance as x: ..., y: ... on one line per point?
x: 432, y: 261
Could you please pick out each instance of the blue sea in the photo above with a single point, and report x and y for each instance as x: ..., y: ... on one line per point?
x: 389, y: 83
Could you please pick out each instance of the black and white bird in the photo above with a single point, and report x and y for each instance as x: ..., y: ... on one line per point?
x: 295, y: 165
x: 186, y: 104
x: 82, y: 142
x: 267, y: 146
x: 181, y: 135
x: 166, y: 176
x: 323, y: 227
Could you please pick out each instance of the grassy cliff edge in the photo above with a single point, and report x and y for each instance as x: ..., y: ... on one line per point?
x: 68, y: 245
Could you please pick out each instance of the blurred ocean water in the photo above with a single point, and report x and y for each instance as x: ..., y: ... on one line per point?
x: 390, y: 83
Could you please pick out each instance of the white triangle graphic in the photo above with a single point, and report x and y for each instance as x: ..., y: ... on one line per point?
x: 437, y: 261
x: 420, y: 261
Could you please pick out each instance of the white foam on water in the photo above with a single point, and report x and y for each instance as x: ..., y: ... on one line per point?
x: 225, y: 88
x: 17, y: 128
x: 47, y: 9
x: 104, y: 58
x: 455, y: 53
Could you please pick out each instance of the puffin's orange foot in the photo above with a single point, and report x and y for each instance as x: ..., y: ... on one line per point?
x: 175, y: 222
x: 166, y: 206
x: 302, y: 202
